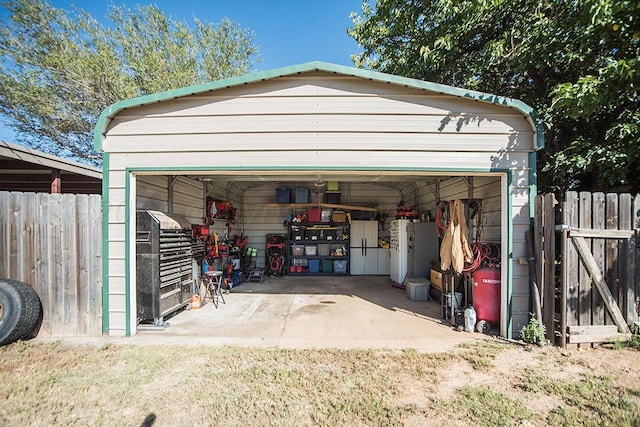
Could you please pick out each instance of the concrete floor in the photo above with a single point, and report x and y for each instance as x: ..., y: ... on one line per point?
x: 313, y: 312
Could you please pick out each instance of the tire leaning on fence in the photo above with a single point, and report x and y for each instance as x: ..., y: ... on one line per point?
x: 20, y: 310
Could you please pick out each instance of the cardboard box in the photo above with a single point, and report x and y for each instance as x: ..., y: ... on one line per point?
x: 436, y: 279
x: 339, y: 216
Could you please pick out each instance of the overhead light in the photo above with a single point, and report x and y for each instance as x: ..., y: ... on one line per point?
x: 319, y: 183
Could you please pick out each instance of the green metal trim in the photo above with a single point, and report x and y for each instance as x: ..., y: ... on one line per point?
x: 510, y: 255
x: 105, y: 244
x: 110, y: 112
x: 459, y: 171
x: 127, y: 254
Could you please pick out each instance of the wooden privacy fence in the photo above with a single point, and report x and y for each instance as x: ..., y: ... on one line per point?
x: 53, y: 242
x: 588, y: 265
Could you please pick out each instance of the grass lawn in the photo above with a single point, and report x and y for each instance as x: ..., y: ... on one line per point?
x: 487, y: 384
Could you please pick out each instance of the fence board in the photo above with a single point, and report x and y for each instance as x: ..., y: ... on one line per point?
x: 53, y: 243
x: 549, y: 309
x: 626, y: 257
x: 597, y: 305
x: 584, y: 279
x: 572, y: 262
x: 611, y: 249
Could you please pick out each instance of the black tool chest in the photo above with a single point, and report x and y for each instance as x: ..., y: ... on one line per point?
x: 164, y: 254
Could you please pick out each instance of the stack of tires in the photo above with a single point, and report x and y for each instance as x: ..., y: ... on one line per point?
x: 20, y: 311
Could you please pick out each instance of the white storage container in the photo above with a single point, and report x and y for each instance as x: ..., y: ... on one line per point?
x: 297, y: 250
x: 310, y: 249
x: 417, y: 288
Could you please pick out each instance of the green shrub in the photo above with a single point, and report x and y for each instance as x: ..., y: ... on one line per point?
x: 534, y: 332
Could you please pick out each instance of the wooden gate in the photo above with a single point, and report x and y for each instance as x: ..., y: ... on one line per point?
x: 588, y: 265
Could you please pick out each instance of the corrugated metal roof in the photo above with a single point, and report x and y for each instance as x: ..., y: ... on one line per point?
x: 110, y: 112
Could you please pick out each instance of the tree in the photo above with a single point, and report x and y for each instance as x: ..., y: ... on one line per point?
x: 60, y: 69
x: 575, y: 62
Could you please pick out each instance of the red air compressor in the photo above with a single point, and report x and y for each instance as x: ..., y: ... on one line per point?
x: 486, y: 297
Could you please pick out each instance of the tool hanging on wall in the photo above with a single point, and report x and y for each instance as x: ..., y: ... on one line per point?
x: 218, y: 209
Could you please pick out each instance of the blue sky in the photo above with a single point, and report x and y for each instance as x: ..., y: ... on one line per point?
x: 287, y: 32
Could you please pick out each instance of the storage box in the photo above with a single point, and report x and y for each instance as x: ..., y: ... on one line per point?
x: 436, y: 279
x: 324, y: 249
x: 328, y: 234
x: 310, y: 249
x: 283, y: 195
x: 333, y: 197
x: 314, y: 266
x: 340, y: 266
x: 338, y: 216
x: 313, y: 233
x: 327, y: 266
x: 333, y: 186
x: 297, y: 250
x: 314, y: 214
x: 297, y: 232
x: 302, y: 195
x: 417, y: 288
x: 325, y: 215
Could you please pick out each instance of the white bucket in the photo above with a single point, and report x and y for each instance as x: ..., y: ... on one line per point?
x: 458, y: 300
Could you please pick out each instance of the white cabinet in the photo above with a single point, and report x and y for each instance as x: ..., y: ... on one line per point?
x: 363, y: 261
x: 364, y: 247
x: 384, y: 262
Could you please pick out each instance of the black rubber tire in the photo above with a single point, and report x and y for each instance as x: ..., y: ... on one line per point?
x: 20, y: 310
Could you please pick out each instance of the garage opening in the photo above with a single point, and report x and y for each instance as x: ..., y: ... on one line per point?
x: 318, y: 237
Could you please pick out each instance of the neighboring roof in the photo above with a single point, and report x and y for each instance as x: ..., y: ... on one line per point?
x: 110, y: 112
x: 25, y: 169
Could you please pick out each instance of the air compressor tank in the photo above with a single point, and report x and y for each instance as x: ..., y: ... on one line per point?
x: 486, y: 294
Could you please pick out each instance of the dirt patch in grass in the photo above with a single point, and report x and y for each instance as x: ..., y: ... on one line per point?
x: 489, y: 383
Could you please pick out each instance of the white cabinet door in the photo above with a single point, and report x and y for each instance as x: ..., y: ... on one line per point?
x: 364, y: 234
x: 356, y: 261
x: 363, y: 260
x: 384, y: 262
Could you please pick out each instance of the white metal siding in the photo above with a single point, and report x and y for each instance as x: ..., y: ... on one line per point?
x: 315, y: 120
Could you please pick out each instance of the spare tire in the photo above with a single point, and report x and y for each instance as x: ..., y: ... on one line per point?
x: 20, y: 310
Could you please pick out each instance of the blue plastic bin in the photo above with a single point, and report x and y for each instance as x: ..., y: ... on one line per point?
x: 314, y: 266
x: 302, y: 195
x: 283, y: 195
x: 340, y: 266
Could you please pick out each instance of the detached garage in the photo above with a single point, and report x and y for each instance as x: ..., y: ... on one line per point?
x: 354, y: 145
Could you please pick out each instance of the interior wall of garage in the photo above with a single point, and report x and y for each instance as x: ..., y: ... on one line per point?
x: 257, y: 216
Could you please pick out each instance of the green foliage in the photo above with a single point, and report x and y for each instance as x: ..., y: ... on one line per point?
x: 534, y: 332
x: 487, y: 407
x: 584, y: 400
x: 59, y: 69
x: 633, y: 343
x: 575, y: 62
